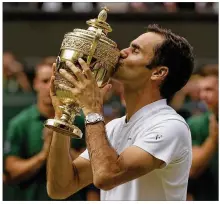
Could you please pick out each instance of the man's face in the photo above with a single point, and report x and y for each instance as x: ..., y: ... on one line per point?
x: 42, y: 83
x: 132, y: 64
x: 209, y: 91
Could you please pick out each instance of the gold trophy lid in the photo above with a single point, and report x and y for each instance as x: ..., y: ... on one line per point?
x: 92, y: 43
x: 100, y: 23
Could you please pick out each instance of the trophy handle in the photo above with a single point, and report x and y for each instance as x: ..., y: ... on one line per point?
x: 94, y: 45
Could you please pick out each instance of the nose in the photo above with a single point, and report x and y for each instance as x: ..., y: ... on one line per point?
x: 124, y: 53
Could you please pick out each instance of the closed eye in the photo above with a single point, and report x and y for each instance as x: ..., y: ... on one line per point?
x: 135, y: 48
x: 46, y: 81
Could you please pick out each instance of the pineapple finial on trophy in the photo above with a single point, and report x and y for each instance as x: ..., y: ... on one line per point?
x: 103, y: 14
x: 100, y: 22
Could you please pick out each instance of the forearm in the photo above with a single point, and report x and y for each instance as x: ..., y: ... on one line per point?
x: 104, y: 159
x: 60, y: 171
x: 202, y: 156
x: 22, y: 169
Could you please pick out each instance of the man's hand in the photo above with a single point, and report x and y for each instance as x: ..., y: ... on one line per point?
x: 86, y: 91
x: 204, y: 153
x: 15, y: 67
x: 213, y: 128
x: 55, y: 101
x: 47, y: 137
x: 20, y: 169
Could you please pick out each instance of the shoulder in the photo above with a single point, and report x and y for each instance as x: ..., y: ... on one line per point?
x: 23, y: 117
x: 19, y: 124
x: 167, y: 123
x: 167, y: 139
x: 175, y: 127
x: 198, y: 120
x: 166, y: 118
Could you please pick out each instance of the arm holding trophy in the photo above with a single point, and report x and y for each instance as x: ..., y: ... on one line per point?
x: 65, y: 174
x: 64, y: 177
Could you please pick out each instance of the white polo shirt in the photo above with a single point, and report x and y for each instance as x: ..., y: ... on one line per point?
x: 159, y: 130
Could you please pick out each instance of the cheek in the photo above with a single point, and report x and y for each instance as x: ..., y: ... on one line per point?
x: 134, y: 61
x: 210, y: 97
x: 203, y: 95
x: 43, y: 89
x: 214, y: 96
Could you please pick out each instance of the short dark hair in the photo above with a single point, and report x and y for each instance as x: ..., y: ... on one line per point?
x: 209, y: 70
x: 175, y: 53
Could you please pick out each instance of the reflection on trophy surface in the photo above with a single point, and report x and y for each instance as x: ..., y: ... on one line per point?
x: 99, y: 52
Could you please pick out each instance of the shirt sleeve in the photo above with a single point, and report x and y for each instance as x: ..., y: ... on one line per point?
x: 165, y: 141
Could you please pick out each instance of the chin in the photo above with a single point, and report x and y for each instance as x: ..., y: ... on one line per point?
x: 118, y: 77
x: 48, y: 102
x: 119, y: 73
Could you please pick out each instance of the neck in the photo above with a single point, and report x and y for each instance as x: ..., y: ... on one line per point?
x: 135, y: 100
x: 45, y: 110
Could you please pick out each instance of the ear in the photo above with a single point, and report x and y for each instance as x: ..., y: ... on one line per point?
x: 159, y: 73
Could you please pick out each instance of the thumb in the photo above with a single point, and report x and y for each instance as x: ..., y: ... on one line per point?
x: 52, y: 87
x: 106, y: 88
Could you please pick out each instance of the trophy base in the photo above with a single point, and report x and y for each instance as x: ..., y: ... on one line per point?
x: 64, y: 128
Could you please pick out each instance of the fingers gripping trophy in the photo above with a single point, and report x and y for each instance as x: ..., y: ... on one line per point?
x: 101, y: 55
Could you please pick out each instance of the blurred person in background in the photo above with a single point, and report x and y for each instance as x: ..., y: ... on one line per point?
x: 48, y: 60
x: 27, y: 145
x: 203, y: 182
x: 187, y: 101
x: 14, y: 77
x: 138, y: 7
x: 117, y: 7
x: 170, y: 7
x: 150, y: 145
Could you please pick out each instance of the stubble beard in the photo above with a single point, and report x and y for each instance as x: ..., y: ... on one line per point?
x: 118, y: 68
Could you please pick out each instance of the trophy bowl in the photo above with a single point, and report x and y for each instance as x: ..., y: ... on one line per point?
x: 99, y: 52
